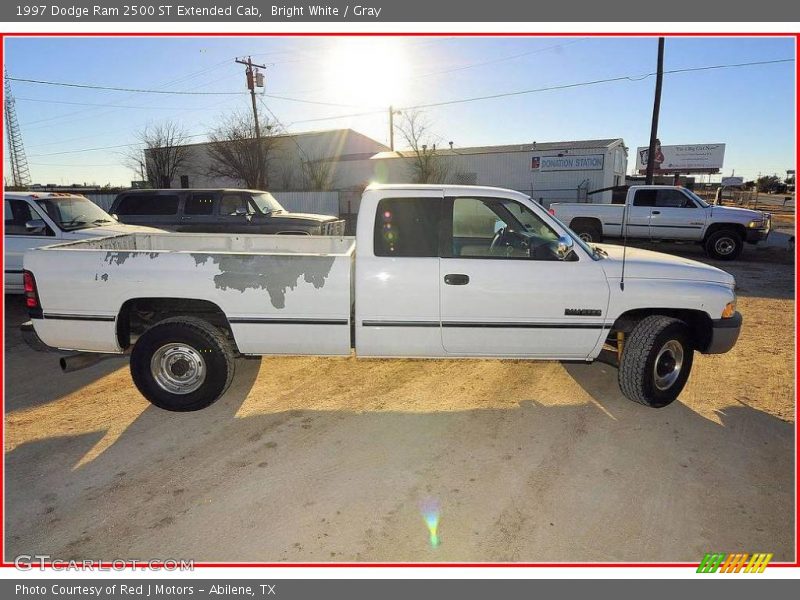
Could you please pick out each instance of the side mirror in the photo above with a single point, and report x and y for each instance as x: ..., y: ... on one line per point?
x: 564, y: 247
x: 35, y: 226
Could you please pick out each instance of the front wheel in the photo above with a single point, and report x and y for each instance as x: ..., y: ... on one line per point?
x: 182, y: 364
x: 656, y: 361
x: 724, y: 244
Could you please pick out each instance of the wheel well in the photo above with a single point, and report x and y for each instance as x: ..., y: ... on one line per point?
x: 589, y: 221
x: 699, y: 323
x: 139, y: 314
x: 737, y: 227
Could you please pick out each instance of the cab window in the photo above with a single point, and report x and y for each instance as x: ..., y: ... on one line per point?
x: 148, y: 204
x: 16, y: 213
x: 229, y: 204
x: 407, y: 227
x: 499, y: 228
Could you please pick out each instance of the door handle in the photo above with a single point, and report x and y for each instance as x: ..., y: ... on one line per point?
x: 656, y: 212
x: 456, y: 279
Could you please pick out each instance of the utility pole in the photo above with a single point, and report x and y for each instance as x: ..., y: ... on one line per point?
x: 391, y: 128
x: 254, y: 79
x: 651, y: 151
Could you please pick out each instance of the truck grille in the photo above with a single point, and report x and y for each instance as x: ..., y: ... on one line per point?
x: 335, y: 228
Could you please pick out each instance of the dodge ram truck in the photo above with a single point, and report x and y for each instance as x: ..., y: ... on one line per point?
x: 433, y: 271
x: 661, y: 212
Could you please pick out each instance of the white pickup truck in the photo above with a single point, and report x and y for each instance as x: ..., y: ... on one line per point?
x: 434, y: 271
x: 662, y: 212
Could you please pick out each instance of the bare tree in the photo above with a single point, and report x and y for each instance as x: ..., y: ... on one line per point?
x: 237, y: 154
x: 427, y: 165
x: 318, y: 174
x: 162, y: 151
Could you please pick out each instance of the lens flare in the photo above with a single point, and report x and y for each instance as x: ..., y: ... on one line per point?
x: 430, y: 512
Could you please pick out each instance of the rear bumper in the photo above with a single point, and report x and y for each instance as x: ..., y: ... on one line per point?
x: 724, y: 334
x: 31, y: 338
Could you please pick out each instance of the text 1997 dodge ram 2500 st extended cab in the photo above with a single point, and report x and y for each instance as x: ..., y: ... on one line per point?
x: 434, y: 271
x: 662, y: 212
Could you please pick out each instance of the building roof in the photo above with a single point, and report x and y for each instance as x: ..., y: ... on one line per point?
x: 528, y: 147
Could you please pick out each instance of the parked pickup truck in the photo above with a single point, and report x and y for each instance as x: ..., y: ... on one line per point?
x: 219, y: 211
x: 434, y: 271
x: 660, y: 212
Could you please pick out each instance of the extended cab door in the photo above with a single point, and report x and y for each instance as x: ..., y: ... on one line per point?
x: 639, y: 211
x: 504, y: 292
x: 397, y: 273
x: 18, y: 239
x: 676, y: 216
x: 198, y: 212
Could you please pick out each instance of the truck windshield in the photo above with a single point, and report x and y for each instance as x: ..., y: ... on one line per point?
x: 697, y: 198
x: 266, y: 203
x: 74, y: 212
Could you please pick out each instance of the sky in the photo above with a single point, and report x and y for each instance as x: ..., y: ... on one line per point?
x: 74, y: 135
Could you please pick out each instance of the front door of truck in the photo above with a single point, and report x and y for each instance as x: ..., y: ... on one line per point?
x: 19, y: 238
x: 503, y: 291
x: 676, y: 216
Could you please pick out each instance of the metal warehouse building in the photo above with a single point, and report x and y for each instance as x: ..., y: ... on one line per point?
x: 548, y: 171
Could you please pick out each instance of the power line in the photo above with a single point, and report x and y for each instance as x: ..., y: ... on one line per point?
x: 123, y: 89
x: 595, y: 82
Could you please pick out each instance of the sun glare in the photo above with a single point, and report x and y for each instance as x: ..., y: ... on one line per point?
x: 372, y: 72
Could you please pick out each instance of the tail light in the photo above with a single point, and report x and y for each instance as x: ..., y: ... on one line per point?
x: 31, y: 293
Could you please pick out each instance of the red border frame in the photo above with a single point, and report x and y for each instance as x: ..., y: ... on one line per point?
x: 107, y: 565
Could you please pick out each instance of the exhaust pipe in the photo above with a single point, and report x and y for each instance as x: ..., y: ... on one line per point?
x: 81, y: 360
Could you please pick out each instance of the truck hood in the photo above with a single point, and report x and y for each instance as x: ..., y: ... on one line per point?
x: 645, y: 264
x: 293, y: 216
x: 742, y: 215
x: 113, y: 229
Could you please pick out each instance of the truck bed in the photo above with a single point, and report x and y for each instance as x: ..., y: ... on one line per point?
x: 277, y: 292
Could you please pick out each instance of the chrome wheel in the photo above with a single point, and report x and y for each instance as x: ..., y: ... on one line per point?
x: 668, y: 364
x: 725, y: 246
x: 178, y: 368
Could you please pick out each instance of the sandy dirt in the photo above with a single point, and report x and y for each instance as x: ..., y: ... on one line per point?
x: 312, y: 459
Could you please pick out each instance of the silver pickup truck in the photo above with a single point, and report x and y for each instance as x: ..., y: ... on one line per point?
x: 662, y: 212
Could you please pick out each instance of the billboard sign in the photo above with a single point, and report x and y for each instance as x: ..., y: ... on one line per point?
x: 732, y: 181
x: 578, y: 162
x: 688, y: 158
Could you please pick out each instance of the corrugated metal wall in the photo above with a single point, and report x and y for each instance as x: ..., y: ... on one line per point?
x: 320, y: 203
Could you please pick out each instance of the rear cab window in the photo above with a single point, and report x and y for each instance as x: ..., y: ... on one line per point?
x: 407, y: 227
x: 199, y: 203
x: 148, y: 204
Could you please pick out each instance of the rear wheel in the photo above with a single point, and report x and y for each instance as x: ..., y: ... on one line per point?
x: 589, y: 230
x: 182, y: 364
x: 656, y: 361
x: 724, y: 244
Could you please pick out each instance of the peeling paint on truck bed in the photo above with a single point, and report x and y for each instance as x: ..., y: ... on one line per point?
x: 275, y: 274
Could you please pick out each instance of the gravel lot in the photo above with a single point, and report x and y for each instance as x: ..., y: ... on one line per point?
x: 311, y: 459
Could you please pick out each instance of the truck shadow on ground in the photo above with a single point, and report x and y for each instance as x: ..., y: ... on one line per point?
x: 529, y: 473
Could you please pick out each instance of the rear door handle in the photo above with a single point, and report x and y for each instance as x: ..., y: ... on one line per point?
x: 456, y: 279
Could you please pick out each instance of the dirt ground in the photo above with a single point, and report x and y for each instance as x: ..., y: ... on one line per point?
x: 313, y: 459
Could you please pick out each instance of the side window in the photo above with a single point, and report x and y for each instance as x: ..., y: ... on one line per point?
x: 499, y: 228
x: 230, y: 203
x: 407, y: 227
x: 673, y: 199
x: 148, y: 204
x: 16, y: 214
x: 199, y: 204
x: 645, y: 198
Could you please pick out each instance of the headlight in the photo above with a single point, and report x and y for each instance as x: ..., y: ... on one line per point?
x: 756, y: 224
x: 729, y: 310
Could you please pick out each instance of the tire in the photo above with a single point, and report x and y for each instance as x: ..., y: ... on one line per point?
x: 644, y: 371
x: 724, y: 244
x: 182, y: 364
x: 588, y: 230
